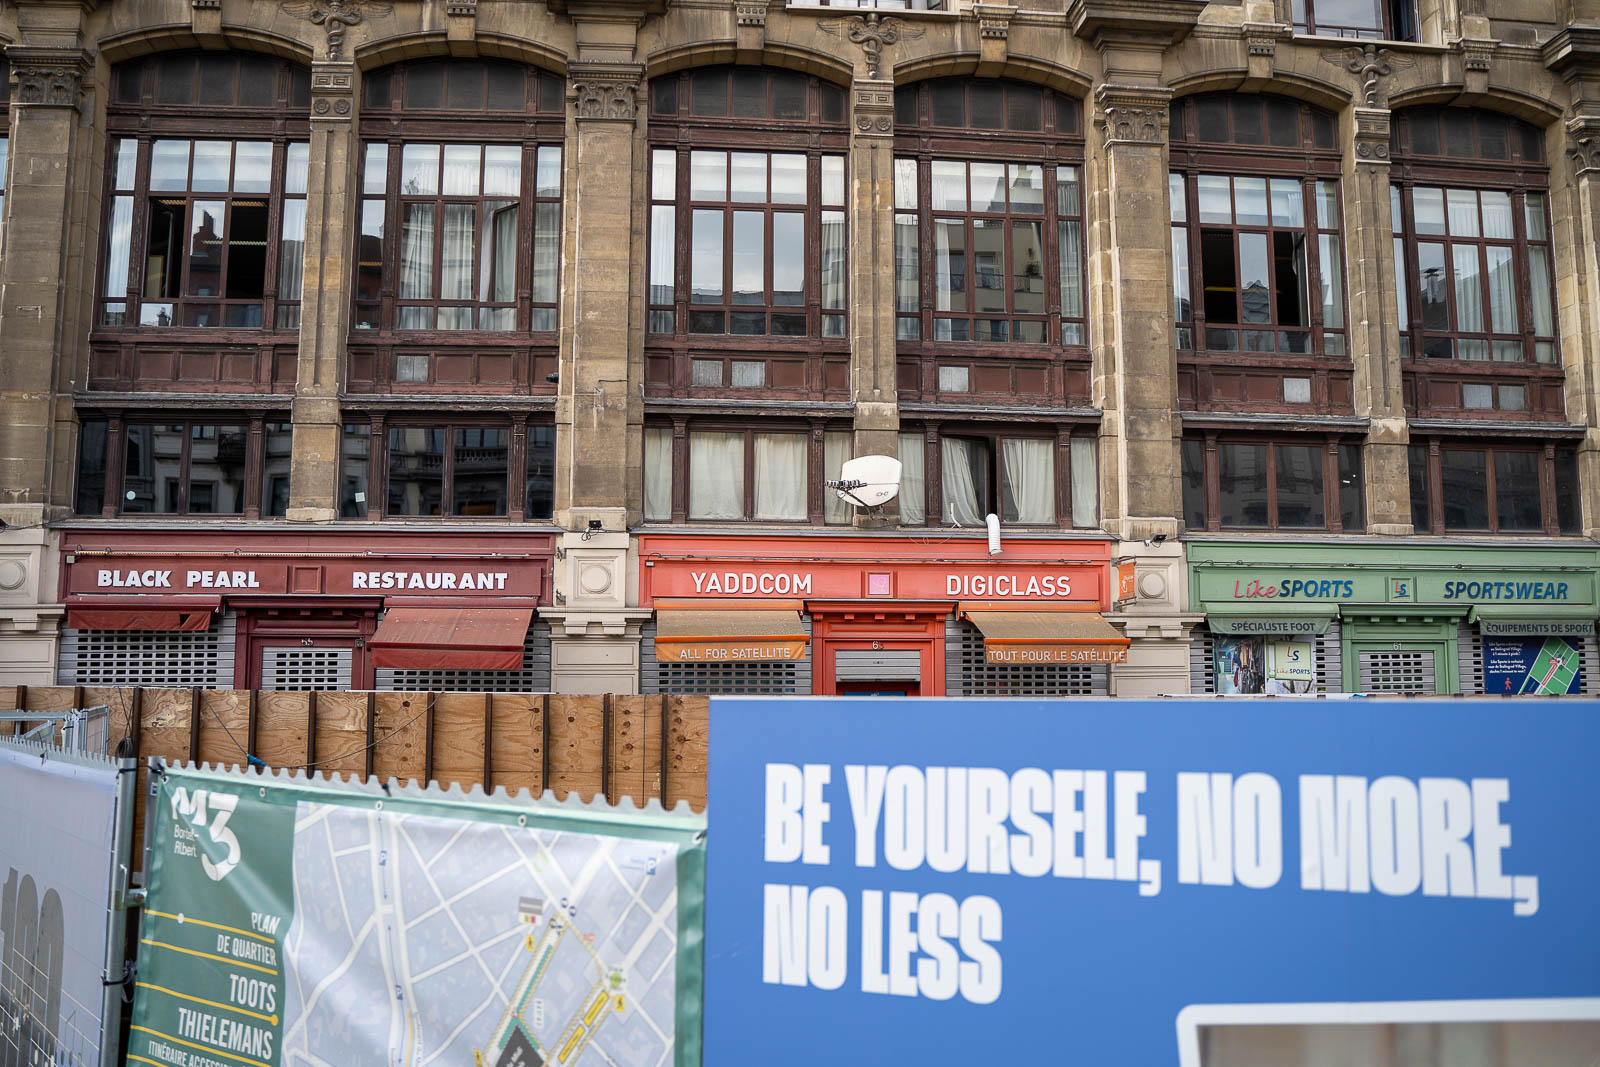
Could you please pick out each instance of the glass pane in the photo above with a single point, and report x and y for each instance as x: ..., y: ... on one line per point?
x: 663, y: 224
x: 1242, y: 475
x: 169, y: 165
x: 657, y: 473
x: 1289, y: 279
x: 988, y: 265
x: 1497, y: 215
x: 1328, y: 206
x: 716, y: 475
x: 749, y: 184
x: 1085, y: 482
x: 905, y: 183
x: 1300, y: 486
x: 1402, y: 281
x: 1181, y: 311
x: 949, y: 265
x: 907, y: 263
x: 419, y: 170
x: 247, y: 250
x: 988, y: 187
x: 749, y: 258
x: 547, y: 172
x: 1535, y: 216
x: 124, y: 163
x: 1070, y: 251
x: 1434, y: 282
x: 1462, y: 205
x: 462, y: 166
x: 708, y: 175
x: 91, y: 492
x: 205, y: 248
x: 1027, y: 268
x: 1177, y: 201
x: 502, y: 170
x: 833, y: 256
x: 705, y: 281
x: 1288, y: 208
x: 211, y: 160
x: 478, y: 483
x: 546, y: 253
x: 1028, y: 480
x: 949, y: 186
x: 913, y: 486
x: 1255, y: 287
x: 1427, y: 210
x: 1351, y: 496
x: 1027, y: 188
x: 416, y: 471
x: 1417, y: 468
x: 1516, y: 491
x: 456, y: 260
x: 788, y: 178
x: 1250, y: 201
x: 663, y: 174
x: 416, y: 253
x: 252, y: 167
x: 1219, y: 274
x: 497, y: 268
x: 1331, y: 258
x: 1469, y: 290
x: 1539, y: 287
x: 1194, y: 484
x: 1396, y: 212
x: 119, y: 238
x: 1466, y: 489
x: 1216, y: 203
x: 780, y: 476
x: 216, y: 470
x: 374, y: 173
x: 1502, y: 290
x: 1568, y: 506
x: 369, y: 276
x: 833, y: 180
x: 789, y: 258
x: 966, y: 464
x: 1069, y: 199
x: 836, y: 449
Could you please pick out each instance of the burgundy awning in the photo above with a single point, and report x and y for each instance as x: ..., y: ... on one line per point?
x: 451, y: 639
x: 141, y: 613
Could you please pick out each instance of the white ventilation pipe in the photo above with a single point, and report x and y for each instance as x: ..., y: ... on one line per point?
x: 993, y: 522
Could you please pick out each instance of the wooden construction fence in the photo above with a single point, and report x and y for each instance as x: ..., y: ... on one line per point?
x: 642, y: 747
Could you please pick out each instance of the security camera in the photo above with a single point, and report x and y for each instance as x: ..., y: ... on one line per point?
x: 1158, y: 538
x: 595, y: 524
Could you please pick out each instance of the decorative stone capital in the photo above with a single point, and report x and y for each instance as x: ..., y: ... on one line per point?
x: 1133, y: 114
x: 46, y: 77
x: 1476, y: 54
x: 751, y: 13
x: 605, y: 92
x: 994, y: 20
x: 872, y: 108
x: 1583, y: 144
x: 1372, y: 135
x: 333, y: 90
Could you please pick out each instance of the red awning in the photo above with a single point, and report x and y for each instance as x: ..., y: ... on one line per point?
x: 153, y: 617
x: 451, y: 639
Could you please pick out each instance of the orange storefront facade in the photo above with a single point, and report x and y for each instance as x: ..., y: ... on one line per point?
x: 890, y: 615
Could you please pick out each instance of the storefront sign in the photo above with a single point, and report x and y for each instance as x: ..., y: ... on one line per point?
x: 1310, y: 625
x: 1531, y: 665
x: 1291, y: 661
x: 1125, y: 576
x: 1536, y: 627
x: 1092, y: 882
x: 1031, y: 655
x: 670, y: 651
x: 1218, y: 583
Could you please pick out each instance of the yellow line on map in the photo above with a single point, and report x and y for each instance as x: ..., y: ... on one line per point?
x: 215, y: 926
x: 271, y: 1019
x: 202, y: 1048
x: 208, y: 956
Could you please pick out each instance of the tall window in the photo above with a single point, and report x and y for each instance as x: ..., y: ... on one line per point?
x: 1272, y: 484
x: 1026, y: 476
x: 1258, y: 261
x: 1503, y: 487
x: 1392, y: 20
x: 747, y: 197
x: 988, y: 221
x: 403, y: 467
x: 201, y: 230
x: 1472, y: 237
x: 460, y: 225
x: 711, y: 471
x: 144, y: 465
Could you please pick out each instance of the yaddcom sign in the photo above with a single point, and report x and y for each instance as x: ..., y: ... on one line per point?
x: 1095, y: 883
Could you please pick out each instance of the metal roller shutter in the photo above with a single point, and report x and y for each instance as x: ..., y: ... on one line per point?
x: 164, y: 658
x: 300, y: 668
x: 968, y: 674
x: 1403, y: 671
x: 534, y: 677
x: 751, y: 678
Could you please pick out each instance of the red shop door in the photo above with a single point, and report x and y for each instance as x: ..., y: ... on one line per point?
x: 878, y: 650
x: 305, y: 649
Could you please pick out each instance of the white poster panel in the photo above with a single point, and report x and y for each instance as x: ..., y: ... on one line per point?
x: 57, y: 840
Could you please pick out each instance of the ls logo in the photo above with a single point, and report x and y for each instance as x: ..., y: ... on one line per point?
x: 210, y: 812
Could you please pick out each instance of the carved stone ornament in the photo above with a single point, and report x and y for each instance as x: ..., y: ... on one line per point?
x: 1583, y: 144
x: 336, y: 16
x: 610, y: 99
x: 207, y: 5
x: 1136, y: 116
x: 1372, y: 134
x: 463, y: 8
x: 753, y: 13
x: 872, y: 108
x: 1372, y: 64
x: 46, y: 77
x: 873, y: 33
x: 1475, y: 54
x: 994, y: 20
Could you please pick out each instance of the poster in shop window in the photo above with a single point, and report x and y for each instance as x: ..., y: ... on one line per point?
x: 1531, y: 666
x: 1254, y: 665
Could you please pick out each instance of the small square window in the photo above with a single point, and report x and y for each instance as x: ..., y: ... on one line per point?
x: 1477, y: 397
x: 705, y: 372
x: 1513, y: 398
x: 749, y: 374
x: 1297, y: 390
x: 954, y: 380
x: 411, y: 368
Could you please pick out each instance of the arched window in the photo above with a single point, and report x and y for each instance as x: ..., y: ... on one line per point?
x: 205, y: 228
x: 460, y: 225
x: 988, y: 214
x: 1257, y: 253
x: 1472, y: 240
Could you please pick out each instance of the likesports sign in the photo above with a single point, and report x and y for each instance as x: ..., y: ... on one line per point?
x: 1100, y: 881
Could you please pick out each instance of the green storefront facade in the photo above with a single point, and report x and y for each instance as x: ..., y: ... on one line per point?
x: 1295, y: 616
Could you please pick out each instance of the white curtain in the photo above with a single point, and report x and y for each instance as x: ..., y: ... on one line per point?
x: 1469, y: 291
x: 1502, y: 290
x: 1030, y: 471
x: 961, y: 504
x: 913, y: 482
x: 1085, y: 483
x: 497, y: 274
x: 455, y: 267
x: 780, y: 476
x: 291, y: 256
x: 462, y: 166
x: 716, y: 476
x: 835, y: 450
x: 416, y: 253
x: 658, y: 473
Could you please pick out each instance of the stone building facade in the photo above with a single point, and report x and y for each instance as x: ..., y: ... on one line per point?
x: 324, y: 320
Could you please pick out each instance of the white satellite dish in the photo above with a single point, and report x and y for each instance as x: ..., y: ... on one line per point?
x: 868, y: 481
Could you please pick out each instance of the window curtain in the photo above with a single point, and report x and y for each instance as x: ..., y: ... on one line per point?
x: 780, y: 476
x: 455, y: 267
x: 835, y: 450
x: 716, y: 476
x: 1030, y: 472
x: 657, y: 473
x: 1469, y: 291
x: 961, y: 504
x: 913, y: 481
x: 1085, y: 483
x: 546, y: 251
x: 291, y: 257
x: 416, y: 253
x: 497, y: 281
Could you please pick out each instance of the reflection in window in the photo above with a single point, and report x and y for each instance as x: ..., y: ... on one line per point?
x: 1272, y: 485
x: 1494, y: 489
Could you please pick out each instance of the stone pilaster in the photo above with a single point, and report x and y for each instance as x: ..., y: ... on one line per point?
x: 872, y: 289
x: 1374, y: 326
x: 331, y: 219
x: 1150, y: 595
x: 594, y: 641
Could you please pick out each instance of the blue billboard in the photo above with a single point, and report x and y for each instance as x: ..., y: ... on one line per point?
x: 1096, y: 882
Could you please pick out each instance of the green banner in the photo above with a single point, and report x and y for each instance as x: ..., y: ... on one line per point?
x: 290, y: 923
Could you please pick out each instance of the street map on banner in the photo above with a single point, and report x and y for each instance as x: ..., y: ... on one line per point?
x: 299, y: 925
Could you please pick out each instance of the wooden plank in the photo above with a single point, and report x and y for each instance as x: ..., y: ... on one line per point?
x: 281, y: 728
x: 402, y: 736
x: 224, y: 711
x: 575, y: 739
x: 49, y: 698
x: 458, y: 739
x: 686, y: 750
x: 164, y: 725
x: 8, y: 698
x: 516, y: 744
x: 342, y: 734
x: 633, y: 770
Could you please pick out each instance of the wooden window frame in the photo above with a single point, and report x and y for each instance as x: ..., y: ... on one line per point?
x: 815, y: 432
x: 934, y: 430
x: 119, y: 421
x: 1332, y: 499
x: 1058, y: 142
x: 379, y: 423
x: 1388, y: 32
x: 1549, y: 506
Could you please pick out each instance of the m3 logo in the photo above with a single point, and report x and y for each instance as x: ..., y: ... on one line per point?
x: 210, y: 812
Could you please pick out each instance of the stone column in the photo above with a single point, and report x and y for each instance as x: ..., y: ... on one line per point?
x: 331, y: 221
x: 1374, y: 319
x: 873, y: 371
